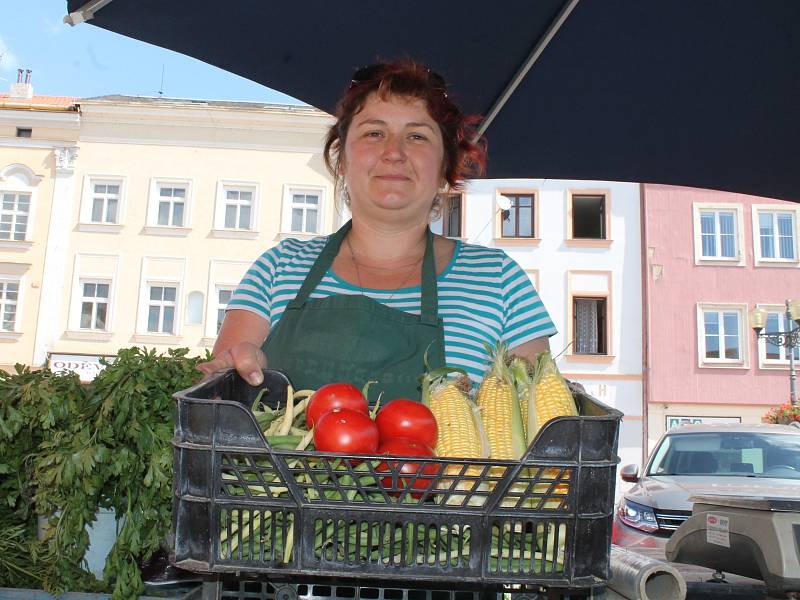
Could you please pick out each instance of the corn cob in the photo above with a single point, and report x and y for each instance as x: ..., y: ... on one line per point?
x: 500, y: 410
x: 460, y: 431
x: 522, y: 372
x: 460, y: 434
x: 553, y: 397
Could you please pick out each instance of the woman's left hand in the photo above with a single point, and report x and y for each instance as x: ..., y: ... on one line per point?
x: 532, y: 349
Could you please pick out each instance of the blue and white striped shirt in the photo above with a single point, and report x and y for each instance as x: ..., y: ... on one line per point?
x: 484, y: 296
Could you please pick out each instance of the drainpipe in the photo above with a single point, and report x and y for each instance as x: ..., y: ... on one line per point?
x: 645, y: 323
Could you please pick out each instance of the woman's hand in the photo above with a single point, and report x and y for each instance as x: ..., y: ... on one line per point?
x: 532, y: 349
x: 245, y: 357
x: 238, y: 346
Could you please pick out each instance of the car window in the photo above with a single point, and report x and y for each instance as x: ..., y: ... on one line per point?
x: 728, y: 453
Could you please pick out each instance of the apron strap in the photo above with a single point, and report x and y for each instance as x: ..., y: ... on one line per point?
x: 429, y: 302
x: 320, y: 267
x: 429, y: 298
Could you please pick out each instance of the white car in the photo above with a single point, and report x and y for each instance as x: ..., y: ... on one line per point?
x: 748, y: 460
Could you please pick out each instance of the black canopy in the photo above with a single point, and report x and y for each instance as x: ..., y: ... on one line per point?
x: 703, y: 93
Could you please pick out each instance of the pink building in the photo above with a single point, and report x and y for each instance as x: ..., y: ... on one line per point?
x: 709, y: 258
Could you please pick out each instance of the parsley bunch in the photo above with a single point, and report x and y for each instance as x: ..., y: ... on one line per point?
x: 105, y: 445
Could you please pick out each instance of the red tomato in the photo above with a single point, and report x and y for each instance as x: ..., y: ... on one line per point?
x: 334, y: 395
x: 345, y: 430
x: 406, y: 447
x: 404, y: 418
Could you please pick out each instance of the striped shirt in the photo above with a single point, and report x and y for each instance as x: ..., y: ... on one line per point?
x: 484, y: 296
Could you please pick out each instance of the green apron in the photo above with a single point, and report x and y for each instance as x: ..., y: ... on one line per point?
x: 355, y: 339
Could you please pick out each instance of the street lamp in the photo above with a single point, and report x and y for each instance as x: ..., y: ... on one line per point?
x: 789, y: 339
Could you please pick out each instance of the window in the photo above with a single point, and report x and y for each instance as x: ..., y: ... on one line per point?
x: 171, y: 205
x: 718, y: 234
x: 94, y: 305
x: 721, y: 334
x: 14, y: 216
x: 102, y: 204
x: 223, y: 297
x: 238, y: 208
x: 451, y: 215
x: 517, y: 220
x: 24, y: 132
x: 589, y: 216
x: 9, y: 294
x: 777, y: 235
x: 305, y: 212
x: 718, y: 231
x: 589, y: 325
x: 771, y: 352
x: 721, y: 340
x: 161, y: 309
x: 105, y: 202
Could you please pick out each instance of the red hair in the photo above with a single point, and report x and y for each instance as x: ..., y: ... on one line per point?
x: 406, y: 78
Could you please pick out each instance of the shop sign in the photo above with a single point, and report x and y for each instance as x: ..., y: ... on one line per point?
x: 87, y: 366
x: 676, y: 421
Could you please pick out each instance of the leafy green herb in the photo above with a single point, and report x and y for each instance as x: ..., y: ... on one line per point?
x: 72, y: 450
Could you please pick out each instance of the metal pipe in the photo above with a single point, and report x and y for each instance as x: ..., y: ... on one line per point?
x: 790, y: 347
x: 85, y: 12
x: 541, y: 44
x: 638, y: 577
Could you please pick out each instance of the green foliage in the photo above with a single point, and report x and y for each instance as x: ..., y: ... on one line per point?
x: 33, y: 406
x: 783, y: 414
x: 23, y: 558
x: 105, y: 445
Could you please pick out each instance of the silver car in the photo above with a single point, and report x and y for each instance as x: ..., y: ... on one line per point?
x: 748, y: 460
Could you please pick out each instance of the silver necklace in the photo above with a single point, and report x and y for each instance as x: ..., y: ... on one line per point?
x: 358, y: 271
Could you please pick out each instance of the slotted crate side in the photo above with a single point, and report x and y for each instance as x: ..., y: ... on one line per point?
x: 429, y: 544
x: 338, y: 590
x: 512, y: 555
x: 255, y: 537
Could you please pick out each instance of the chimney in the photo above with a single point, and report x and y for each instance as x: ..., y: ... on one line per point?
x: 23, y: 89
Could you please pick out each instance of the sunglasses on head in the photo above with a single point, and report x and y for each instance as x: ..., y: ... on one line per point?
x: 371, y: 72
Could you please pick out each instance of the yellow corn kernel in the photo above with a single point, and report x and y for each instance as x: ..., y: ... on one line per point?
x: 500, y: 410
x: 522, y: 375
x: 458, y: 434
x: 500, y: 413
x: 553, y: 397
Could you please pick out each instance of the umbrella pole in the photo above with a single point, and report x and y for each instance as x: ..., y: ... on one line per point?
x: 541, y: 44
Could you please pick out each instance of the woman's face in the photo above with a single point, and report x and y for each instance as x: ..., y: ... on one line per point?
x: 393, y: 159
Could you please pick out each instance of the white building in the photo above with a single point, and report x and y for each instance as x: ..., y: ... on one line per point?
x: 580, y: 243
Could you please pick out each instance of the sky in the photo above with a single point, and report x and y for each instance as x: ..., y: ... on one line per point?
x: 85, y: 61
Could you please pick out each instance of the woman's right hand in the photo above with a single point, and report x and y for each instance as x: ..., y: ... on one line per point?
x: 238, y: 346
x: 245, y: 357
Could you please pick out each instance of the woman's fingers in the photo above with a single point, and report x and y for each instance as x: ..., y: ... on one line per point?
x: 221, y: 361
x: 246, y: 358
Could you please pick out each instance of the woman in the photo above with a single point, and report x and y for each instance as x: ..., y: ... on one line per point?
x: 371, y: 301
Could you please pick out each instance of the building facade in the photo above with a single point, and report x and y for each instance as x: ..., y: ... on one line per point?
x: 711, y: 257
x: 579, y: 242
x: 171, y: 202
x: 38, y: 149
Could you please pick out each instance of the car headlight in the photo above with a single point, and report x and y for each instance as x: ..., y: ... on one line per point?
x: 637, y: 515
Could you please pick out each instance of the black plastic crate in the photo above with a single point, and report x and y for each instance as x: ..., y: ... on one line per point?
x: 264, y: 589
x: 476, y: 521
